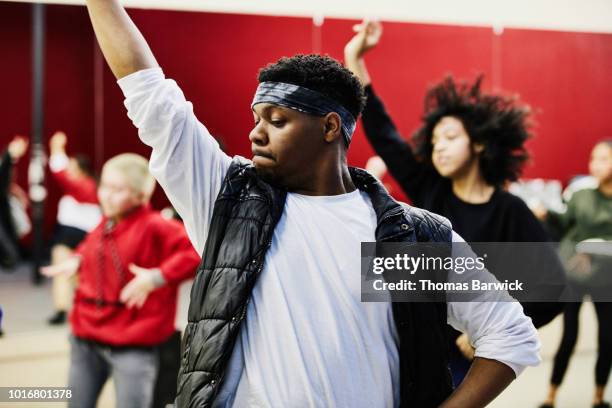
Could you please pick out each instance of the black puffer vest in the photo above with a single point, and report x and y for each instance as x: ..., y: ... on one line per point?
x: 245, y: 214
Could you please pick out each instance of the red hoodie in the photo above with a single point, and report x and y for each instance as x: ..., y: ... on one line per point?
x: 147, y: 240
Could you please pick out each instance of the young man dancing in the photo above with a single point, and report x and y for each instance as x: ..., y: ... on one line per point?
x: 275, y: 317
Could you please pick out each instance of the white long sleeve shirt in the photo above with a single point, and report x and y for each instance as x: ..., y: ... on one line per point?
x: 307, y: 340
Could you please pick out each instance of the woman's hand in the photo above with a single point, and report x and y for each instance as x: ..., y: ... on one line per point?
x: 367, y: 36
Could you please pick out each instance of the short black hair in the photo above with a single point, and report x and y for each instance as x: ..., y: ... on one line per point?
x: 318, y: 73
x: 500, y: 123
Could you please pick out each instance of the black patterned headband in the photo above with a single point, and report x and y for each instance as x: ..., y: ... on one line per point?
x: 306, y: 101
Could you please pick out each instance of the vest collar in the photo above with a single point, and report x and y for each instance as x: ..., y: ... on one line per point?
x: 392, y: 220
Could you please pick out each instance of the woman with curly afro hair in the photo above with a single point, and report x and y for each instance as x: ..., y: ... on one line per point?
x: 470, y: 144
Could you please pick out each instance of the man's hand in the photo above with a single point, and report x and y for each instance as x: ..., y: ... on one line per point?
x: 68, y: 268
x: 57, y: 143
x: 17, y: 147
x: 135, y: 293
x: 463, y: 343
x: 367, y: 36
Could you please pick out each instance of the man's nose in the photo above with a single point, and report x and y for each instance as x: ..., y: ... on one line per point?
x: 258, y: 135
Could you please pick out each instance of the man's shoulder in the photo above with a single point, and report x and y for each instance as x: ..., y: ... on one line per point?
x: 428, y: 226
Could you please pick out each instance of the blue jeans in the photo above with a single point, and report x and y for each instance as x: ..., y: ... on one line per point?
x: 134, y: 371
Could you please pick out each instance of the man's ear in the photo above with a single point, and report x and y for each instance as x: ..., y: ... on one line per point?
x: 332, y: 127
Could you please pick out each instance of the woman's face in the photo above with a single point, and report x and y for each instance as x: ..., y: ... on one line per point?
x: 600, y: 165
x: 452, y: 151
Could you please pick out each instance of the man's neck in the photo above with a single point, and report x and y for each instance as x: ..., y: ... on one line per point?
x: 330, y: 178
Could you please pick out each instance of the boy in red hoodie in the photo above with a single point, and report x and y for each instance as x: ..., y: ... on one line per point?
x: 125, y: 304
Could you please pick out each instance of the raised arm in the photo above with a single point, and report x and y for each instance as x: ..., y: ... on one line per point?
x: 6, y: 165
x: 15, y: 150
x: 124, y: 48
x: 367, y: 35
x: 80, y: 186
x: 378, y: 125
x: 186, y: 159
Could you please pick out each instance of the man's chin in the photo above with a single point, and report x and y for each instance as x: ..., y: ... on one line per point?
x: 267, y: 174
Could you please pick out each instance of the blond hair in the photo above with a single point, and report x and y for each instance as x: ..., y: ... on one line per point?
x: 135, y: 168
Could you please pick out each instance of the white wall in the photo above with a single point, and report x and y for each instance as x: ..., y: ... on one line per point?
x: 565, y: 15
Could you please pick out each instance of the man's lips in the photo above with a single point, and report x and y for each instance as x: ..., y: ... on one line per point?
x: 262, y: 154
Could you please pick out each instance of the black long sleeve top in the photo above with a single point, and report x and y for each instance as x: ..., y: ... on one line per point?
x: 504, y: 218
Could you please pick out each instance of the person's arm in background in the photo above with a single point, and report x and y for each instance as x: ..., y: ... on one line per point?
x: 83, y: 190
x: 70, y: 265
x: 9, y: 252
x: 378, y: 125
x: 179, y: 264
x: 544, y: 259
x: 558, y: 223
x: 15, y: 151
x: 186, y: 160
x: 181, y: 261
x: 6, y: 167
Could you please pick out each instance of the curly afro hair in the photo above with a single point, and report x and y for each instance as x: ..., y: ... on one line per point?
x: 497, y: 122
x: 318, y: 73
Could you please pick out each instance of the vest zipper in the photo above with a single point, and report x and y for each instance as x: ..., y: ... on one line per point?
x: 259, y: 269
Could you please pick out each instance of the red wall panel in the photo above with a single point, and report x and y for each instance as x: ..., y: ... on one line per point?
x: 15, y: 90
x: 566, y: 79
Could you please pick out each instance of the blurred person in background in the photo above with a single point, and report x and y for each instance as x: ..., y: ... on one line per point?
x: 14, y: 223
x: 469, y: 146
x: 588, y: 217
x: 77, y: 214
x: 129, y: 270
